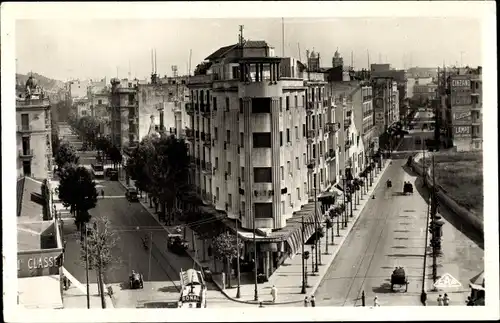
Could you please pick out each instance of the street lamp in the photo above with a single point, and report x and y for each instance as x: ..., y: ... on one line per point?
x: 312, y: 262
x: 87, y: 265
x: 304, y: 261
x: 329, y: 224
x: 238, y: 292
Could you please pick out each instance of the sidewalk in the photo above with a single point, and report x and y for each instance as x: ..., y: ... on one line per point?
x: 288, y: 277
x: 76, y: 295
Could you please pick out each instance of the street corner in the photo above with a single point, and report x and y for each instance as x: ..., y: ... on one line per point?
x: 125, y: 297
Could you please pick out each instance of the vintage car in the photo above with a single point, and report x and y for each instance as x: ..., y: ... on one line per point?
x: 177, y: 244
x: 136, y: 281
x: 398, y: 277
x: 407, y: 188
x: 131, y: 194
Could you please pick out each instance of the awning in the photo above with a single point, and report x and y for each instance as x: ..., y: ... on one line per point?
x: 477, y: 282
x: 294, y: 225
x: 48, y: 297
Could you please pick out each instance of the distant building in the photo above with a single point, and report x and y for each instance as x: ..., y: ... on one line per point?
x: 124, y: 112
x: 461, y: 98
x: 34, y: 131
x: 78, y: 89
x: 337, y: 60
x: 99, y: 99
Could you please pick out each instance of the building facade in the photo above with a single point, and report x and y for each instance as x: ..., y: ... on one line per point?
x: 34, y: 131
x: 124, y: 112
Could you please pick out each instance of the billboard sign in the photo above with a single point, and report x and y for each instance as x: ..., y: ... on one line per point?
x: 461, y: 131
x: 460, y: 83
x: 36, y: 263
x: 462, y: 117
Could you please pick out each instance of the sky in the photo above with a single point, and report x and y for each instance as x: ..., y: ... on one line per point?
x: 93, y: 49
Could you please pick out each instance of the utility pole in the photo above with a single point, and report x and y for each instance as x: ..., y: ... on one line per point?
x: 87, y: 266
x: 434, y: 225
x: 99, y: 266
x: 304, y: 272
x: 316, y: 240
x: 283, y: 37
x: 423, y: 295
x: 149, y: 260
x: 256, y: 293
x: 238, y: 292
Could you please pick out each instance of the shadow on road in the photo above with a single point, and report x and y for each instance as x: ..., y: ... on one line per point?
x: 402, y: 231
x: 168, y: 289
x: 399, y: 247
x: 453, y: 219
x: 160, y: 305
x: 402, y: 255
x: 385, y: 288
x: 401, y: 238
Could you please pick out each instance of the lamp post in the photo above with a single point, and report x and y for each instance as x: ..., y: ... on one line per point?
x: 306, y: 257
x: 312, y: 261
x: 238, y: 292
x: 423, y: 294
x: 318, y: 229
x: 256, y: 293
x: 329, y: 225
x: 87, y: 266
x: 304, y: 261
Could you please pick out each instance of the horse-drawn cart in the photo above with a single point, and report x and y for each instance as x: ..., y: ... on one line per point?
x: 398, y: 277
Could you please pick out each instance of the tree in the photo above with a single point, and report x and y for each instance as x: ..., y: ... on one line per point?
x: 115, y: 156
x: 103, y: 144
x: 225, y: 249
x: 100, y: 242
x: 45, y: 193
x: 66, y: 154
x: 77, y: 190
x: 88, y: 128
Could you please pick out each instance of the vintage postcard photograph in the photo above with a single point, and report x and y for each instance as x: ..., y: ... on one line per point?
x: 249, y: 161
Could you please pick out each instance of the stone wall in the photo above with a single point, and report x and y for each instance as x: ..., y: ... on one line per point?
x: 467, y: 216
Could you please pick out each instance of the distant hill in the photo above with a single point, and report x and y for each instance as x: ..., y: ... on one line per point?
x: 46, y: 83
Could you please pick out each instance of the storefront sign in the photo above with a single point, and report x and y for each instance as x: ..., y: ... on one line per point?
x: 460, y: 83
x: 38, y: 263
x: 462, y: 131
x: 190, y: 298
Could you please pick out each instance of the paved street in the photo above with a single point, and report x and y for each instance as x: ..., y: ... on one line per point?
x: 390, y: 232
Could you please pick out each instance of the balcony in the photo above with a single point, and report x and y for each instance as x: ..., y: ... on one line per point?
x: 347, y: 123
x: 476, y: 135
x: 330, y: 155
x: 25, y: 129
x: 207, y: 141
x: 202, y: 136
x: 26, y: 153
x: 207, y: 168
x: 189, y: 108
x: 311, y: 164
x: 189, y: 134
x: 348, y: 144
x: 32, y: 103
x: 206, y: 196
x: 332, y: 127
x: 309, y: 108
x: 206, y: 110
x: 197, y: 135
x: 367, y: 98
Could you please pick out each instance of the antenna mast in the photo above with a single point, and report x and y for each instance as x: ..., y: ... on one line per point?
x: 283, y: 37
x: 189, y: 66
x: 300, y: 58
x: 368, y: 56
x: 156, y: 66
x: 352, y: 59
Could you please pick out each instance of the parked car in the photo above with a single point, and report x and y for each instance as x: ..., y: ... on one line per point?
x: 112, y: 174
x: 132, y: 194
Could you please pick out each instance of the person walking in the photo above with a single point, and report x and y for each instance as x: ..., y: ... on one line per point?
x: 440, y: 300
x: 446, y: 300
x: 274, y: 293
x: 306, y: 301
x: 375, y: 301
x: 313, y: 301
x: 102, y: 193
x: 469, y: 301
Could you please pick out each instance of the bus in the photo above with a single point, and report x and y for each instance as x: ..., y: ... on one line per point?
x: 193, y: 289
x: 98, y: 170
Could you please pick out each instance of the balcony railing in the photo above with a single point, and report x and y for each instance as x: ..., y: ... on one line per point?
x: 348, y: 144
x: 206, y: 110
x: 347, y: 123
x: 330, y: 155
x: 310, y: 107
x: 24, y: 128
x: 332, y: 127
x: 207, y: 141
x: 197, y: 134
x: 26, y: 153
x: 311, y: 134
x: 207, y: 167
x: 367, y: 98
x: 189, y: 134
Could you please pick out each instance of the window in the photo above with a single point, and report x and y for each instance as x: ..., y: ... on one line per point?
x: 241, y: 105
x: 227, y: 104
x: 287, y: 103
x: 305, y: 158
x: 319, y: 121
x: 288, y: 167
x: 261, y: 140
x: 282, y: 170
x: 242, y: 208
x: 263, y: 210
x: 281, y: 138
x: 216, y: 193
x: 296, y: 132
x: 261, y: 105
x: 321, y: 175
x: 290, y: 199
x: 236, y: 72
x: 215, y: 133
x: 298, y: 193
x: 216, y: 162
x: 282, y: 207
x: 242, y: 140
x: 287, y: 135
x: 229, y: 201
x: 27, y: 168
x: 25, y: 120
x: 313, y: 123
x: 228, y: 136
x: 99, y: 101
x: 296, y: 102
x: 229, y: 168
x: 314, y: 150
x: 321, y: 147
x: 303, y: 130
x: 214, y: 99
x: 303, y: 100
x: 262, y: 175
x: 242, y: 174
x: 281, y: 104
x: 297, y: 162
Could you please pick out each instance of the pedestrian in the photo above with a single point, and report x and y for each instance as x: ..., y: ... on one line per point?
x: 274, y: 293
x: 102, y: 193
x: 375, y: 301
x: 440, y: 300
x: 446, y: 300
x: 313, y: 301
x: 469, y: 301
x: 306, y: 301
x: 209, y: 251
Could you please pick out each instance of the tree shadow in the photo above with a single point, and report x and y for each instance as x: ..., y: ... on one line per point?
x: 405, y: 223
x: 402, y: 255
x: 398, y: 194
x: 401, y: 238
x: 399, y: 247
x: 385, y: 288
x: 124, y: 285
x: 387, y: 267
x: 168, y: 289
x: 402, y: 231
x: 409, y: 170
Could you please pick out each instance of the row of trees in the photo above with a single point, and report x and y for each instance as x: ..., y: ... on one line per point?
x: 88, y: 129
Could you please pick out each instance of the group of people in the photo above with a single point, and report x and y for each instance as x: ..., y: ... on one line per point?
x: 443, y: 301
